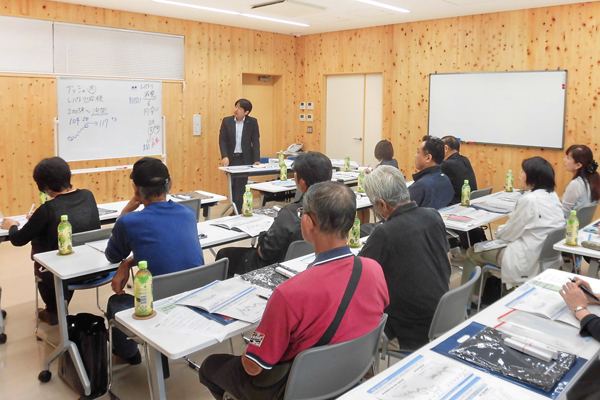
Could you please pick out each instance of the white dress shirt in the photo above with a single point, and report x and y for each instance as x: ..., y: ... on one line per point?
x: 239, y: 128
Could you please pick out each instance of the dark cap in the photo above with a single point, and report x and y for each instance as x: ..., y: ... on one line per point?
x: 149, y: 172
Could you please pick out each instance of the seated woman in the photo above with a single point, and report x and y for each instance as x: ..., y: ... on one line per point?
x: 53, y: 177
x: 584, y: 189
x: 384, y: 153
x: 536, y: 214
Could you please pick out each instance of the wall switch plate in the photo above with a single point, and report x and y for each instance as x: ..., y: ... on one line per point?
x: 309, y: 129
x: 302, y: 105
x: 302, y: 117
x: 197, y: 125
x: 309, y: 105
x: 309, y: 117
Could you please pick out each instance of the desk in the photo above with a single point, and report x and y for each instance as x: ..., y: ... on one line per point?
x: 87, y: 261
x: 583, y: 251
x: 486, y: 317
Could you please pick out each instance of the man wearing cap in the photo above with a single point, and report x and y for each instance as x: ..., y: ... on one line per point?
x: 164, y: 234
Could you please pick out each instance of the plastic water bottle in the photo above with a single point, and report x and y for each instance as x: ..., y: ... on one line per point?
x: 354, y: 234
x: 361, y: 181
x: 347, y: 163
x: 283, y: 172
x: 65, y: 236
x: 142, y: 287
x: 465, y: 194
x: 510, y: 181
x: 247, y: 203
x: 281, y: 159
x: 572, y: 229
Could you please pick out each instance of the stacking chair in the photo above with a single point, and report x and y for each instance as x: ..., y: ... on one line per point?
x: 195, y: 205
x: 548, y: 254
x: 168, y: 285
x: 80, y: 239
x: 450, y: 311
x: 299, y: 248
x: 586, y: 214
x: 2, y: 316
x: 328, y: 371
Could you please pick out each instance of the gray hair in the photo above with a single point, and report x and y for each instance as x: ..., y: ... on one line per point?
x: 151, y: 192
x: 333, y: 205
x: 386, y: 183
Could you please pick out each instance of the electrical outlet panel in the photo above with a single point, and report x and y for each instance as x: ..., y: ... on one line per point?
x: 197, y: 125
x: 302, y: 117
x: 309, y: 105
x: 309, y: 117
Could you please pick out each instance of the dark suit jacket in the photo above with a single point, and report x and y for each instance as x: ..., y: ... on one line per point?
x: 458, y: 168
x: 250, y: 139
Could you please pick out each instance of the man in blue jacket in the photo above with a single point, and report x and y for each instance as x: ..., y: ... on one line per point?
x: 432, y: 188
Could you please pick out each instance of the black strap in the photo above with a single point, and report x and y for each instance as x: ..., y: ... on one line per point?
x: 350, y: 289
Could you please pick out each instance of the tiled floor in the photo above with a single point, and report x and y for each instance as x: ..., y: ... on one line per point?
x: 23, y: 357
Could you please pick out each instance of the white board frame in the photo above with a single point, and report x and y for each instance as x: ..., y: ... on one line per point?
x: 449, y: 108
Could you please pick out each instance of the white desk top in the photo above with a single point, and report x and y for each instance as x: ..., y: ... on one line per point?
x: 579, y: 249
x: 488, y: 317
x: 268, y: 168
x: 274, y: 186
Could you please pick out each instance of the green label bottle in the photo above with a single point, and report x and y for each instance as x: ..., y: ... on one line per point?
x: 65, y: 236
x: 572, y: 229
x: 44, y: 197
x: 361, y: 181
x: 281, y: 159
x: 142, y: 287
x: 283, y: 172
x: 465, y: 194
x: 347, y: 163
x: 247, y: 203
x: 510, y: 181
x: 354, y: 234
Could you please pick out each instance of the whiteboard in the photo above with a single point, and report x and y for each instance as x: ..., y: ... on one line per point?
x: 505, y: 108
x: 109, y: 118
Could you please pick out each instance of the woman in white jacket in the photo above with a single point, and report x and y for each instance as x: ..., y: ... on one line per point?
x: 536, y: 214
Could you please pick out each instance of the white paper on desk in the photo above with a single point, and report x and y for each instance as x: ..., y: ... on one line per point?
x: 249, y: 308
x: 183, y: 320
x: 427, y: 380
x: 249, y: 225
x: 217, y: 295
x: 99, y: 245
x: 544, y: 302
x: 254, y: 228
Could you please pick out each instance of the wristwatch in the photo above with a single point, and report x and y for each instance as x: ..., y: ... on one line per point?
x: 579, y: 308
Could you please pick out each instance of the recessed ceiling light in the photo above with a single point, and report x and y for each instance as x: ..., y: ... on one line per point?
x: 274, y: 19
x: 383, y: 5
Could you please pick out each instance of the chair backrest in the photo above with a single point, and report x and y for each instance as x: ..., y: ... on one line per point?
x: 586, y: 214
x: 194, y: 204
x: 548, y: 253
x: 91, y: 236
x: 170, y: 284
x: 452, y: 308
x: 481, y: 192
x: 327, y: 371
x: 299, y: 248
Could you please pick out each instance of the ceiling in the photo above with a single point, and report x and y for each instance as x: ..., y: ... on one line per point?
x: 320, y: 15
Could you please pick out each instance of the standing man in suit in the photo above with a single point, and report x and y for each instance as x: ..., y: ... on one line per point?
x: 239, y: 140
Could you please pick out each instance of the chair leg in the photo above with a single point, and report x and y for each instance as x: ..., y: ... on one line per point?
x: 480, y: 291
x: 98, y: 301
x: 491, y: 232
x: 192, y: 364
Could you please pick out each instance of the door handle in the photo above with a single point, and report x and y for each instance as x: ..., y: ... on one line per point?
x: 357, y: 138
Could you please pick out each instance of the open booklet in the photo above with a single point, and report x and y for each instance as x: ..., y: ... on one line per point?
x: 234, y: 298
x: 251, y: 225
x: 190, y: 195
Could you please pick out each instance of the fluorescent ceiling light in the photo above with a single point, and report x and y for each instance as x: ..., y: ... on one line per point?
x: 176, y: 3
x: 383, y: 5
x: 274, y: 19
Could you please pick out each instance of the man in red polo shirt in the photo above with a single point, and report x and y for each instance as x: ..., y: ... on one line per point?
x: 301, y: 312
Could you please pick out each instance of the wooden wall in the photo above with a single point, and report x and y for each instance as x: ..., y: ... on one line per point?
x: 563, y: 37
x: 216, y: 57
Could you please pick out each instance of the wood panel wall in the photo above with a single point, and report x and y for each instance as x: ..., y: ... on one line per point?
x: 216, y: 56
x: 565, y: 37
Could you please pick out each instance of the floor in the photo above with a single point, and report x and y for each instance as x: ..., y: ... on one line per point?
x: 22, y: 357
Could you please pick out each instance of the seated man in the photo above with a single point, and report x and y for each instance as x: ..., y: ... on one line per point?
x: 457, y: 167
x: 310, y: 168
x: 432, y: 188
x: 302, y: 309
x: 164, y: 234
x: 412, y: 249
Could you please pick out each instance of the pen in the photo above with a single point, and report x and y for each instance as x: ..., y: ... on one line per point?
x: 585, y: 290
x: 202, y: 236
x: 263, y: 297
x: 31, y: 209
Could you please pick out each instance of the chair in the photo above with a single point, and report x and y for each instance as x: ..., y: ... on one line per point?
x: 2, y: 316
x: 327, y: 371
x: 450, y: 312
x: 299, y: 248
x: 548, y: 255
x: 487, y: 269
x: 168, y: 285
x: 195, y: 205
x: 586, y: 214
x: 79, y: 239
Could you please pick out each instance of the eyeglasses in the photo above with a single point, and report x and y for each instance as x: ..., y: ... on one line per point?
x: 301, y: 212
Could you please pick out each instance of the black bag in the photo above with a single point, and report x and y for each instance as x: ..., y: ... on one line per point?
x: 492, y: 290
x: 476, y: 235
x: 89, y: 334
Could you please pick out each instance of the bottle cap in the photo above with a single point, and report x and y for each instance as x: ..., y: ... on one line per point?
x: 64, y: 217
x: 143, y: 265
x: 247, y: 188
x: 573, y: 212
x: 466, y: 181
x: 510, y: 171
